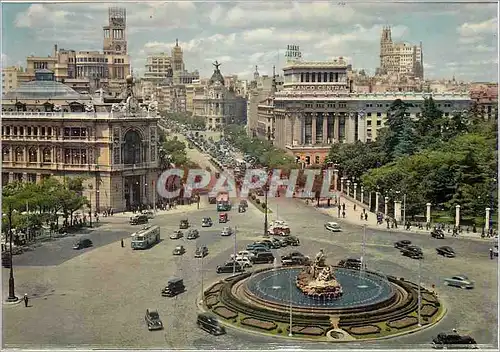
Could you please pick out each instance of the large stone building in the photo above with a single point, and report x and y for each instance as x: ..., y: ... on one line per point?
x: 261, y: 87
x: 218, y: 104
x: 87, y: 71
x: 317, y: 108
x: 400, y: 58
x: 50, y: 129
x: 9, y: 78
x: 485, y: 95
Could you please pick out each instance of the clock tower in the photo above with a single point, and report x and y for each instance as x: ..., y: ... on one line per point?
x: 115, y: 38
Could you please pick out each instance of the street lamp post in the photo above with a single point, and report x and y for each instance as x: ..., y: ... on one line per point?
x: 235, y: 249
x: 266, y: 189
x: 404, y: 208
x: 290, y: 333
x: 419, y: 292
x: 12, y: 295
x: 90, y: 205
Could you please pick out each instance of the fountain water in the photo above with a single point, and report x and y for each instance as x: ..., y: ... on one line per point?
x: 276, y: 265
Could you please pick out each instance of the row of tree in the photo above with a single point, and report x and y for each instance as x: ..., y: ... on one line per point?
x: 27, y: 206
x: 195, y: 122
x: 443, y: 160
x: 172, y: 151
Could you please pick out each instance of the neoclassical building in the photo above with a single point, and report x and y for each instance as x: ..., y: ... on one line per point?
x: 50, y: 129
x: 317, y: 108
x: 219, y: 105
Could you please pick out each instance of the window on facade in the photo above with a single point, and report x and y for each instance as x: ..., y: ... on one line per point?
x: 19, y: 154
x: 15, y: 131
x: 6, y: 154
x: 325, y: 77
x: 32, y: 178
x: 379, y: 123
x: 317, y: 159
x: 67, y: 132
x: 7, y: 130
x: 28, y: 131
x: 33, y: 154
x: 47, y: 155
x: 379, y: 114
x: 307, y: 76
x: 67, y: 156
x: 21, y: 131
x: 35, y: 131
x: 42, y: 131
x: 331, y: 77
x: 368, y: 122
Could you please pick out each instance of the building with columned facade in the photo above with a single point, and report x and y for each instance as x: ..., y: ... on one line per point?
x: 50, y: 129
x: 317, y: 108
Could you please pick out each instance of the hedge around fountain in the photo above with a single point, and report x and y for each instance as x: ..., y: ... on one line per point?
x: 383, y: 318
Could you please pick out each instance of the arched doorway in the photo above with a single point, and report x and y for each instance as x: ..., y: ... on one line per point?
x: 76, y: 107
x: 132, y: 148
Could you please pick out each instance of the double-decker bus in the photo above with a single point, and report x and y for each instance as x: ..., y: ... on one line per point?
x: 146, y: 237
x: 223, y: 203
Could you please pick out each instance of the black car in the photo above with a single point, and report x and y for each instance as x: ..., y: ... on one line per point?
x: 350, y: 263
x: 206, y: 222
x: 402, y: 244
x: 244, y: 203
x: 295, y: 258
x: 83, y: 243
x: 201, y: 252
x: 437, y: 233
x: 276, y: 242
x: 292, y: 254
x: 292, y: 241
x: 193, y: 234
x: 453, y: 341
x: 262, y: 258
x: 174, y: 286
x: 210, y: 324
x: 139, y: 219
x: 229, y: 267
x: 446, y: 251
x: 413, y: 252
x: 270, y: 244
x: 153, y: 320
x: 184, y: 224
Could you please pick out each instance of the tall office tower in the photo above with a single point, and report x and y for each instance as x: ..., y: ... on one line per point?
x: 115, y: 36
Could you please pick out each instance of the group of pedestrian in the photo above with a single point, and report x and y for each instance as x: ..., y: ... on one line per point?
x: 363, y: 215
x: 341, y: 210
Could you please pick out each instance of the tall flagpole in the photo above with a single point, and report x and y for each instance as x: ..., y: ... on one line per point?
x: 235, y: 248
x: 291, y: 315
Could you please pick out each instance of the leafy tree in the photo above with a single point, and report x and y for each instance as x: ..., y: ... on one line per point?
x: 400, y: 137
x: 357, y: 158
x: 174, y: 151
x: 429, y: 124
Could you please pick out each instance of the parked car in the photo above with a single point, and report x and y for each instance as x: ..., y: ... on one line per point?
x: 179, y: 250
x: 176, y: 235
x: 254, y: 245
x: 437, y: 233
x: 402, y: 244
x: 244, y: 203
x: 270, y: 244
x: 174, y: 286
x: 201, y: 252
x: 263, y: 258
x: 244, y: 254
x: 193, y: 234
x: 295, y: 258
x: 210, y: 324
x: 149, y: 213
x: 413, y: 252
x: 461, y: 281
x: 229, y: 267
x: 153, y: 320
x: 495, y: 250
x: 332, y: 226
x: 184, y: 224
x: 206, y: 222
x: 226, y: 231
x: 453, y: 341
x: 350, y: 263
x: 292, y: 241
x: 83, y: 243
x: 245, y: 262
x: 446, y: 251
x: 276, y: 242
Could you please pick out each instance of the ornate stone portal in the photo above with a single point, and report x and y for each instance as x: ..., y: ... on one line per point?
x: 318, y: 280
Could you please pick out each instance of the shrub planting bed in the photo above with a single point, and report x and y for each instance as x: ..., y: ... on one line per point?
x: 428, y: 310
x: 260, y: 324
x: 364, y: 330
x: 429, y: 297
x: 307, y: 330
x: 225, y: 313
x: 403, y: 323
x: 211, y: 301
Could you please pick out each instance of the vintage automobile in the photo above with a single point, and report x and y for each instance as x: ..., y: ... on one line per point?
x: 192, y: 234
x: 176, y: 235
x: 271, y: 244
x: 402, y: 244
x: 139, y: 219
x: 437, y: 233
x: 460, y: 281
x: 179, y: 250
x: 263, y: 258
x: 279, y: 228
x: 226, y: 231
x: 223, y: 218
x: 210, y: 324
x: 332, y: 227
x: 291, y: 241
x: 153, y: 320
x: 245, y: 262
x: 446, y: 251
x: 206, y: 222
x: 350, y: 263
x: 413, y: 252
x: 201, y: 252
x: 495, y: 250
x: 244, y: 203
x: 83, y: 243
x: 184, y: 224
x: 149, y: 213
x: 453, y: 341
x: 228, y: 268
x: 174, y: 286
x: 242, y: 209
x: 295, y: 258
x: 243, y: 254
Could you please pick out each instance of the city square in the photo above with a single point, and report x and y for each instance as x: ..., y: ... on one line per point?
x: 146, y: 152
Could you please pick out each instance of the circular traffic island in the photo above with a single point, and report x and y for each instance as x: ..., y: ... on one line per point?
x: 367, y: 305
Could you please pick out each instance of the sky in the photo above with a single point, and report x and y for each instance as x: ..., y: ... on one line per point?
x: 459, y: 39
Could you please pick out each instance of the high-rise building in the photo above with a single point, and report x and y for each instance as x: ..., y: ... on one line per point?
x: 9, y: 78
x: 401, y: 59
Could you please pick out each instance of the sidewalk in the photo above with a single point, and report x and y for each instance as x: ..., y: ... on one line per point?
x: 354, y: 217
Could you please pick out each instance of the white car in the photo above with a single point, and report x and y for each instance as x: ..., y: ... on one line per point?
x: 243, y: 254
x: 226, y: 231
x: 244, y: 262
x: 333, y: 227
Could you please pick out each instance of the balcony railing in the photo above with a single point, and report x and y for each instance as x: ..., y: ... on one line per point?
x: 77, y: 115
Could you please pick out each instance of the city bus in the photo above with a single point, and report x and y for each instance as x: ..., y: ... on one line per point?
x: 146, y: 237
x: 223, y: 203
